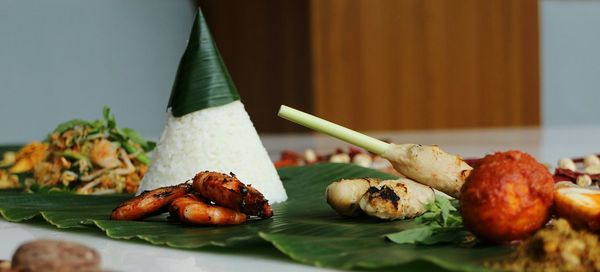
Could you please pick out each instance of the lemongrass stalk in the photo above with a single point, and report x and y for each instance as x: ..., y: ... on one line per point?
x: 345, y: 134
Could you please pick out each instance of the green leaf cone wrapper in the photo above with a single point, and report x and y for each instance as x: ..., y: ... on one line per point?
x: 202, y: 80
x: 208, y: 127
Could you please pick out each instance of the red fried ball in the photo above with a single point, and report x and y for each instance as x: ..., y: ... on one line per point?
x: 507, y: 197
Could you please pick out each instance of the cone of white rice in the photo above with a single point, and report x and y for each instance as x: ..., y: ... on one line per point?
x: 207, y: 126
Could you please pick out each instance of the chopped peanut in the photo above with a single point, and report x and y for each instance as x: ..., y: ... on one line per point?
x: 566, y: 163
x: 591, y: 160
x: 584, y: 180
x: 340, y: 158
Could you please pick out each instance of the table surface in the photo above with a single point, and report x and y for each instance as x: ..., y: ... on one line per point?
x: 547, y: 144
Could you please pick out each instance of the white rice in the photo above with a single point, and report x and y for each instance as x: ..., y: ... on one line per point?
x: 219, y: 139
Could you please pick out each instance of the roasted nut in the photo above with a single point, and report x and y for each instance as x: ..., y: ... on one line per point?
x: 592, y: 169
x: 584, y: 180
x: 591, y: 160
x: 340, y: 158
x: 52, y: 255
x: 362, y: 159
x: 566, y: 163
x: 310, y: 156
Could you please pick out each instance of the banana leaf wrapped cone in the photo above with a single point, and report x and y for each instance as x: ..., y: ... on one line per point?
x: 207, y: 126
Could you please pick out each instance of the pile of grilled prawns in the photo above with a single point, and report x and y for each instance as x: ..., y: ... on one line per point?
x: 212, y: 199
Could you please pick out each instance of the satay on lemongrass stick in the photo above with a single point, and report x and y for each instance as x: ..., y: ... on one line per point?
x: 428, y: 165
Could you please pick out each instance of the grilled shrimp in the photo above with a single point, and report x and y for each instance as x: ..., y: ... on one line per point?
x: 230, y: 192
x: 194, y: 210
x: 149, y: 202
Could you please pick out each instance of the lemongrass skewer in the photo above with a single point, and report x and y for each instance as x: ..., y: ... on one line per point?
x: 428, y: 165
x: 345, y: 134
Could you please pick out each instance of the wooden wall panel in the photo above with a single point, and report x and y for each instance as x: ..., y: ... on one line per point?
x: 417, y: 64
x: 265, y: 45
x: 383, y: 64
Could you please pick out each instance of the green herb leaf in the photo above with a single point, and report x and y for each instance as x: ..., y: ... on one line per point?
x: 138, y: 139
x: 110, y: 120
x: 64, y: 126
x: 202, y: 80
x: 140, y: 154
x: 150, y: 146
x: 411, y: 236
x: 440, y: 224
x: 126, y: 137
x: 442, y: 212
x: 428, y: 235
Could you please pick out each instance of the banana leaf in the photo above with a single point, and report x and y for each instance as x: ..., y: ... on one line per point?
x: 5, y: 148
x: 64, y: 210
x: 202, y: 80
x: 304, y: 228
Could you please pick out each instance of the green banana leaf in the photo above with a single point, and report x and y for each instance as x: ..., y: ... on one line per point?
x: 202, y: 80
x: 5, y: 148
x: 304, y: 228
x: 64, y: 210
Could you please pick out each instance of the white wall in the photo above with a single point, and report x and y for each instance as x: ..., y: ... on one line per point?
x: 63, y: 59
x: 570, y: 41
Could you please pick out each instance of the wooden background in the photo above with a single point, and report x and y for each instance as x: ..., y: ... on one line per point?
x: 383, y: 64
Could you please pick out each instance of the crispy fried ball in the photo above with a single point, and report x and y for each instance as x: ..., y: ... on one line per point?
x: 507, y: 197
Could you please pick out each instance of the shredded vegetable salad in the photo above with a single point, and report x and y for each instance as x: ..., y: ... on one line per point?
x: 86, y: 157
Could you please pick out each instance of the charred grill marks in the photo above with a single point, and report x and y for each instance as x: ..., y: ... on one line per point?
x: 228, y: 191
x: 385, y: 193
x: 163, y: 194
x: 212, y: 199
